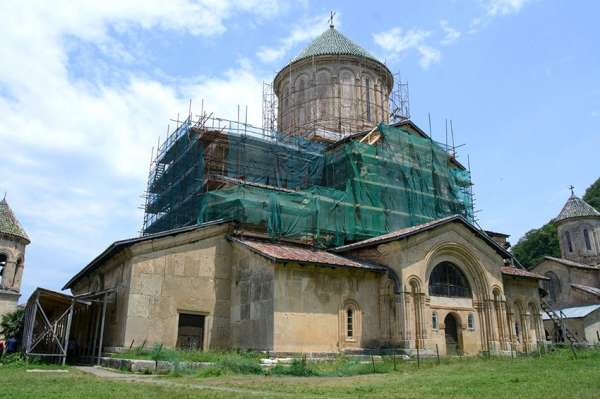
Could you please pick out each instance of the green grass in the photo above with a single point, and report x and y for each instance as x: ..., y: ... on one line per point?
x: 556, y: 375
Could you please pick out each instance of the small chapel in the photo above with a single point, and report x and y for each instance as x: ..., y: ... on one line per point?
x: 573, y: 280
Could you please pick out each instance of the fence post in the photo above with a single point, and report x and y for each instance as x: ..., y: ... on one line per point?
x: 437, y: 352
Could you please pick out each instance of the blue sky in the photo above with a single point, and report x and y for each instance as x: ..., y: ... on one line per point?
x: 86, y: 91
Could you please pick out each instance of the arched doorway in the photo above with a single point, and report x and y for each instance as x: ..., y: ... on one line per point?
x: 451, y: 333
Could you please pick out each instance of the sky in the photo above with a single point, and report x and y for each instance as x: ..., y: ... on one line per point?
x: 88, y: 88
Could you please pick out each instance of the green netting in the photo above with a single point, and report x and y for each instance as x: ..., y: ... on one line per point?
x: 344, y: 193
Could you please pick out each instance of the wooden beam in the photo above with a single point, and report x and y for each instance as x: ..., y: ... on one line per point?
x: 102, y: 328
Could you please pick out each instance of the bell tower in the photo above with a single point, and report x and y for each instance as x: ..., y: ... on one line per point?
x: 13, y: 241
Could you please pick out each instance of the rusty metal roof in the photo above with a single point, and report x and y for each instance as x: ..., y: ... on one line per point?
x: 280, y: 252
x: 587, y: 289
x: 513, y: 271
x: 570, y: 263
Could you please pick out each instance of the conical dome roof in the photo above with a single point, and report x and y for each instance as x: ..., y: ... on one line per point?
x: 332, y: 42
x: 575, y: 208
x: 9, y: 224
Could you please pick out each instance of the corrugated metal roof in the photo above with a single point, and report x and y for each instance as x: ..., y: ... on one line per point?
x: 576, y: 312
x: 332, y: 42
x: 513, y: 271
x: 9, y: 224
x: 291, y: 253
x: 576, y: 207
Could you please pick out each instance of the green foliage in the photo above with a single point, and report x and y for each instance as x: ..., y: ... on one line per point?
x: 298, y: 368
x: 11, y: 324
x: 536, y: 244
x: 592, y: 195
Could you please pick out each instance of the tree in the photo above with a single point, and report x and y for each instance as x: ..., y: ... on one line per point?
x: 11, y: 324
x: 537, y: 243
x: 592, y: 195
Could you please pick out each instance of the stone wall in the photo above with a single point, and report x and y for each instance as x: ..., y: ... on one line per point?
x: 578, y: 251
x: 251, y: 300
x: 566, y: 296
x: 336, y: 93
x: 310, y: 304
x: 180, y: 277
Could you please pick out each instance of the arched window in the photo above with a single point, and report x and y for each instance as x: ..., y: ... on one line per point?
x: 350, y: 323
x: 471, y: 321
x: 3, y: 261
x: 434, y: 320
x: 586, y: 238
x: 569, y: 242
x: 448, y: 280
x: 552, y: 286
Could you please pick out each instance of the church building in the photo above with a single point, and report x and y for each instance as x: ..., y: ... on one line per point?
x: 347, y: 229
x: 13, y: 241
x: 573, y: 280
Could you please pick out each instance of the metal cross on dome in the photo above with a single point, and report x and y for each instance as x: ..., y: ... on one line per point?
x: 572, y: 188
x: 331, y: 15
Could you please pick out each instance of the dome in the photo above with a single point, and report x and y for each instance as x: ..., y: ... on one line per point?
x: 576, y: 208
x: 332, y: 42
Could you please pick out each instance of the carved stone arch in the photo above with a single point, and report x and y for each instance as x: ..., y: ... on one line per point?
x: 473, y: 270
x: 414, y: 284
x: 497, y: 292
x: 350, y: 316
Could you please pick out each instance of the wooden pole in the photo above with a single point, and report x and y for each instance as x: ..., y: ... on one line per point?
x: 437, y: 352
x: 101, y: 329
x: 394, y: 357
x: 67, y: 333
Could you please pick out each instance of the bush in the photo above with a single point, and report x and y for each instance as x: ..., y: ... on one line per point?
x: 11, y: 324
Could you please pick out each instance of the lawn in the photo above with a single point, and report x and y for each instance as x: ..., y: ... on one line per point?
x: 555, y: 375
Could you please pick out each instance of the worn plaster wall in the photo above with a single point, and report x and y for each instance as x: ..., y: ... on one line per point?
x: 567, y: 275
x: 523, y: 306
x: 114, y: 274
x: 309, y: 308
x: 251, y: 300
x: 591, y: 325
x: 188, y: 273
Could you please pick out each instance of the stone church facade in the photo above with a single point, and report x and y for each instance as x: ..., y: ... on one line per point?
x: 444, y: 285
x: 441, y: 286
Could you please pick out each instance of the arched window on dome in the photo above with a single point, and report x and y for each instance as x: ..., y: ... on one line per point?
x: 586, y: 238
x: 448, y: 280
x: 3, y: 262
x: 569, y: 242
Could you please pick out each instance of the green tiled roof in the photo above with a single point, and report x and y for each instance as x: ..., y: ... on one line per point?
x: 332, y: 42
x: 575, y: 208
x: 9, y: 223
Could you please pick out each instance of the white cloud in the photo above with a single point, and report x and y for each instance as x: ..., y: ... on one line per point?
x: 308, y: 29
x: 76, y: 153
x: 429, y: 56
x: 397, y: 42
x: 503, y: 7
x: 450, y: 34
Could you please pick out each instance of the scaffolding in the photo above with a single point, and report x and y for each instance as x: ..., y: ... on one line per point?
x: 295, y: 187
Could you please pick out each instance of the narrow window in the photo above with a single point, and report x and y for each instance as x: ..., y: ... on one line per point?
x: 434, y: 321
x: 517, y: 329
x: 349, y: 323
x: 569, y: 243
x: 368, y: 99
x: 3, y: 260
x: 471, y: 321
x: 586, y: 238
